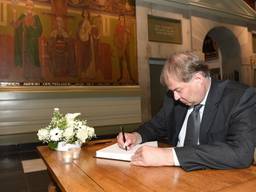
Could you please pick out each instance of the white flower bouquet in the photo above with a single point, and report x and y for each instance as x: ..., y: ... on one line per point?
x: 66, y: 129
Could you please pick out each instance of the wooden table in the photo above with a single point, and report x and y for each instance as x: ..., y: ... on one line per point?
x: 92, y: 174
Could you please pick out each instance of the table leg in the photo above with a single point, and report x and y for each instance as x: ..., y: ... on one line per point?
x: 51, y: 187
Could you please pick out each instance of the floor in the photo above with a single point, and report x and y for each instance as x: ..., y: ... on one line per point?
x: 22, y: 170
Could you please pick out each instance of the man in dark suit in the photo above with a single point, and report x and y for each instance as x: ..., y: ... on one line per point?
x: 227, y: 121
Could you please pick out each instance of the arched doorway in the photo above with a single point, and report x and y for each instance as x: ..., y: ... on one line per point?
x: 222, y: 53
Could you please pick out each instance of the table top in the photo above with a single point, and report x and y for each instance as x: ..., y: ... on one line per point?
x: 93, y: 174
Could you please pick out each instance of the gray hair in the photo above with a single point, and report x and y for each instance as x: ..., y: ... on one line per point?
x: 183, y: 66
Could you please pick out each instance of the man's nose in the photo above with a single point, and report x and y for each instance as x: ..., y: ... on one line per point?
x: 176, y: 96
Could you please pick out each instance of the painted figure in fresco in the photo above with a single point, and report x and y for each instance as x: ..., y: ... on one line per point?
x: 27, y: 30
x: 61, y: 51
x: 86, y: 52
x: 121, y: 41
x: 96, y: 33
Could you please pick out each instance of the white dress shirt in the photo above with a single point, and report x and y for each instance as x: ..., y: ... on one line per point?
x: 182, y: 134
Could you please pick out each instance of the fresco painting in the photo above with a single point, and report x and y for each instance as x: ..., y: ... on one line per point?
x: 68, y: 42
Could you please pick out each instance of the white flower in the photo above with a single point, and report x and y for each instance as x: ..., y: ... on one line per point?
x: 68, y: 133
x: 56, y: 109
x: 65, y: 129
x: 55, y: 134
x: 82, y: 134
x: 91, y: 132
x: 79, y: 124
x: 70, y: 117
x: 43, y: 135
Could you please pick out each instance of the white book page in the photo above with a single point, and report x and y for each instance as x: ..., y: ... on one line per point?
x: 115, y: 152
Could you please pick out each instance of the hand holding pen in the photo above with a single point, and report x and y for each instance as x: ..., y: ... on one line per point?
x: 127, y: 140
x: 123, y: 135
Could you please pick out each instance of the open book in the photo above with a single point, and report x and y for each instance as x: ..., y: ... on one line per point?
x: 115, y: 152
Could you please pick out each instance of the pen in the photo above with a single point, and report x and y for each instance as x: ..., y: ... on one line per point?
x: 124, y: 140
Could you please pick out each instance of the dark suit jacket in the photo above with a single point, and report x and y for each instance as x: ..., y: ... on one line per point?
x: 227, y: 132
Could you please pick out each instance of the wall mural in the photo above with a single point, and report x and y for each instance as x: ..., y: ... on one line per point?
x: 68, y: 42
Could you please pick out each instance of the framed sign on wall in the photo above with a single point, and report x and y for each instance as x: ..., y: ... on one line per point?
x: 164, y: 30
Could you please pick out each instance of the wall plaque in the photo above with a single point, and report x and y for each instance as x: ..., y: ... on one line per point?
x: 164, y: 30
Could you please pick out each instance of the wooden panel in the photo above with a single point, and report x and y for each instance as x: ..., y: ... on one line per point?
x: 247, y: 74
x: 22, y: 115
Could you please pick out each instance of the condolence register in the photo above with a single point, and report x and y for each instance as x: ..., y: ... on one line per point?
x: 116, y: 153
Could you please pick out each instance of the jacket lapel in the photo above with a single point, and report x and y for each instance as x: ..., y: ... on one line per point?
x: 211, y: 108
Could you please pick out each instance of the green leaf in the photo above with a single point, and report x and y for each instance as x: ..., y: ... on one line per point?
x: 52, y: 145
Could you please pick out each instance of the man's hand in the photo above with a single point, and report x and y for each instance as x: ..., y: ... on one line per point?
x: 132, y: 139
x: 153, y: 156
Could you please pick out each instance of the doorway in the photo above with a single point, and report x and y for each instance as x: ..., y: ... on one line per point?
x: 222, y: 54
x: 157, y: 91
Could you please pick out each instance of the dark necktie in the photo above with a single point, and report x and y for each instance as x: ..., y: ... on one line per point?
x: 193, y: 127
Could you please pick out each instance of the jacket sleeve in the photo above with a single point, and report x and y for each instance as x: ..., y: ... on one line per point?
x: 158, y: 125
x: 236, y: 150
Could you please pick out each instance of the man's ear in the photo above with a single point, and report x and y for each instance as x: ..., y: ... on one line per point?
x: 198, y: 76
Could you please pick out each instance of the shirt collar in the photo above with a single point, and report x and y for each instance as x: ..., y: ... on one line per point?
x: 206, y: 95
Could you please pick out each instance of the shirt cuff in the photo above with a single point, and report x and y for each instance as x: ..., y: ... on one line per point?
x: 175, y: 158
